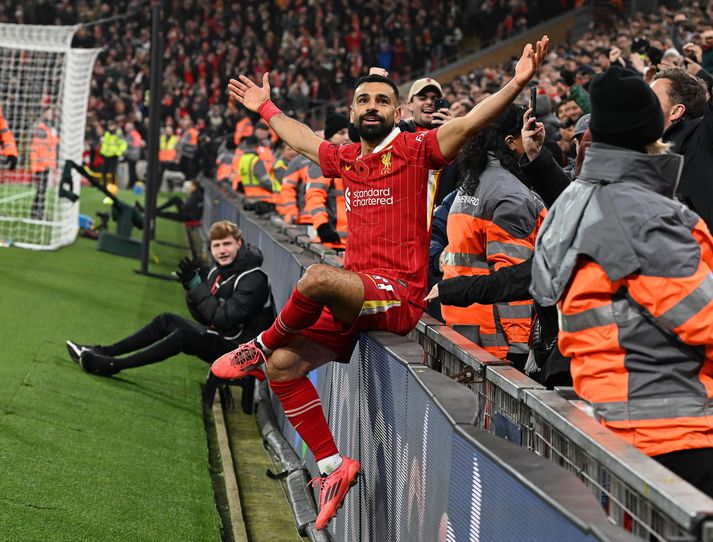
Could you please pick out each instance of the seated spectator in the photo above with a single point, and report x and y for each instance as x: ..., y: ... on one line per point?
x: 630, y: 270
x: 188, y: 210
x: 231, y: 305
x: 492, y: 224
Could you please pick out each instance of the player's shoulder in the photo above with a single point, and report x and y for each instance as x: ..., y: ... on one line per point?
x: 412, y: 139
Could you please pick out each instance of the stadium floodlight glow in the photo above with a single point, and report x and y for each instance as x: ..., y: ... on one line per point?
x: 43, y: 80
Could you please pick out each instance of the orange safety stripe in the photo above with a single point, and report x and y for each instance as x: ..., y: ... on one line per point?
x: 7, y: 139
x: 289, y: 195
x: 477, y: 246
x: 590, y: 336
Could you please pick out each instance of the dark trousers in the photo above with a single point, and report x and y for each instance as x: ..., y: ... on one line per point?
x: 39, y: 179
x: 175, y: 201
x: 109, y: 168
x: 133, y: 177
x: 694, y: 466
x: 165, y: 336
x: 189, y: 167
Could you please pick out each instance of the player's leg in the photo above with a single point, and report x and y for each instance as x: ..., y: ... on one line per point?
x: 321, y: 286
x: 287, y: 372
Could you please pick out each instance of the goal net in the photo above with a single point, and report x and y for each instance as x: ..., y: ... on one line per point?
x: 44, y: 90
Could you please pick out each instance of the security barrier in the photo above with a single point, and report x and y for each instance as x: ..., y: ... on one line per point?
x: 435, y: 454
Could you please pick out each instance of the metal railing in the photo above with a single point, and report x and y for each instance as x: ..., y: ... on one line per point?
x: 636, y: 492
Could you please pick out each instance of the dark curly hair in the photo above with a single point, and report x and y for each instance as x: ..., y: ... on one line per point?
x: 473, y: 157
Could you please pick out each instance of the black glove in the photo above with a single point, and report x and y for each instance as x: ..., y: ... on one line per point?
x: 327, y: 234
x: 11, y: 161
x: 188, y: 273
x: 568, y: 77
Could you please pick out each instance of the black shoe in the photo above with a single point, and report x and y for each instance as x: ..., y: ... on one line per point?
x: 75, y: 350
x: 98, y: 364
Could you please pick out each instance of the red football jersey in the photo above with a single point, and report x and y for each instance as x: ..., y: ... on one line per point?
x: 388, y: 203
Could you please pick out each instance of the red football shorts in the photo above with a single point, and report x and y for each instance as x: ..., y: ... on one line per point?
x: 385, y: 308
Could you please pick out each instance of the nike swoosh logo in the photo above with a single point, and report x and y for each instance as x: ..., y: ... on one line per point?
x: 347, y: 168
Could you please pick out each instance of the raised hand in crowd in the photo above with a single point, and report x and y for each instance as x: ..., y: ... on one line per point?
x: 615, y: 56
x: 638, y: 63
x: 533, y: 135
x: 693, y: 52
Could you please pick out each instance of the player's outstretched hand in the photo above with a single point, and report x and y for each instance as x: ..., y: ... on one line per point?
x: 530, y: 60
x: 248, y: 93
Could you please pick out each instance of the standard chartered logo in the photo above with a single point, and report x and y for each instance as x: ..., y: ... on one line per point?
x: 367, y: 198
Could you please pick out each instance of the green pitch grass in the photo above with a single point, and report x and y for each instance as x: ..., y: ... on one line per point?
x: 84, y: 457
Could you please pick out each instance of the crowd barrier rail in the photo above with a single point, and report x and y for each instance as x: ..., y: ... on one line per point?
x: 457, y: 445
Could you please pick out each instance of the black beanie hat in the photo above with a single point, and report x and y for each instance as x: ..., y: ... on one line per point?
x: 334, y: 123
x: 625, y: 111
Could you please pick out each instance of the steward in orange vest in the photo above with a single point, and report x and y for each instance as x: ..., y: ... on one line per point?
x: 8, y: 147
x: 631, y: 271
x: 188, y: 149
x: 324, y: 198
x: 255, y: 179
x: 492, y: 223
x: 43, y: 159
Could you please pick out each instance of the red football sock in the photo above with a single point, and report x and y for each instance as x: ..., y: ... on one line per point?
x: 298, y: 314
x: 303, y: 408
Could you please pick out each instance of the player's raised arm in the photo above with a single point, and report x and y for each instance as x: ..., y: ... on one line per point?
x: 453, y: 134
x: 294, y: 133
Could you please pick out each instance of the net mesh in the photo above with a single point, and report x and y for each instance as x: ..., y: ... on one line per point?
x: 44, y: 89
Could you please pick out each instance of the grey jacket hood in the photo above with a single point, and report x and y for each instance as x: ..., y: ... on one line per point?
x: 617, y: 191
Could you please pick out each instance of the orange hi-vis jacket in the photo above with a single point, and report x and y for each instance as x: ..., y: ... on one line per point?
x: 224, y: 172
x: 255, y: 180
x: 294, y: 185
x: 266, y: 155
x: 167, y: 148
x: 188, y: 144
x: 324, y: 201
x: 43, y: 148
x: 495, y: 227
x: 630, y: 269
x: 7, y: 140
x: 243, y: 129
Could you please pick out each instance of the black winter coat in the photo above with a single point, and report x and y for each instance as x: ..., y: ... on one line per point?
x: 241, y: 305
x: 693, y: 138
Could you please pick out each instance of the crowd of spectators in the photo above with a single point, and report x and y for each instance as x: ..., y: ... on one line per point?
x: 314, y: 50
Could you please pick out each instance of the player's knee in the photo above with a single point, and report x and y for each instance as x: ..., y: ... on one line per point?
x: 316, y: 280
x: 283, y: 367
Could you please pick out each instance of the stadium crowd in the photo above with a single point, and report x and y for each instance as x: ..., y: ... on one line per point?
x: 521, y: 261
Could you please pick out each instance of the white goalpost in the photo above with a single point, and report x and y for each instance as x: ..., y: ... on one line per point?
x: 44, y: 90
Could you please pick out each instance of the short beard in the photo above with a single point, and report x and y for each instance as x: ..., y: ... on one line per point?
x: 374, y: 132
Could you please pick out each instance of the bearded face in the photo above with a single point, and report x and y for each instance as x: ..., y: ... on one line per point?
x: 373, y: 126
